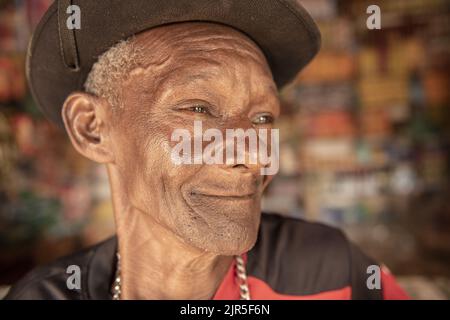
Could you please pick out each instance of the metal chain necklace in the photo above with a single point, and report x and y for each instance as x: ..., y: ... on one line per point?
x: 241, y: 279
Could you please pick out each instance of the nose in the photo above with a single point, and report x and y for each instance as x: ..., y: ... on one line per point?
x: 244, y: 167
x: 242, y: 148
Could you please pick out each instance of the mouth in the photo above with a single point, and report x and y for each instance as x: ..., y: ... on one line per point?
x: 222, y: 203
x: 246, y: 196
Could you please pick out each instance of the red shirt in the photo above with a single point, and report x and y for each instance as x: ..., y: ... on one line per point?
x: 260, y: 290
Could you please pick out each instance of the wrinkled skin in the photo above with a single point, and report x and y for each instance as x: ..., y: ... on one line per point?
x: 179, y: 225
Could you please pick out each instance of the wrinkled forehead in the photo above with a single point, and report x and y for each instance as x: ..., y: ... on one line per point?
x: 197, y: 39
x: 184, y: 50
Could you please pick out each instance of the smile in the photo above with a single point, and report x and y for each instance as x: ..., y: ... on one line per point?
x: 249, y: 196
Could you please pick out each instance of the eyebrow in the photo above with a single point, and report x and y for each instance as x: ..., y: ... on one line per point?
x: 168, y: 83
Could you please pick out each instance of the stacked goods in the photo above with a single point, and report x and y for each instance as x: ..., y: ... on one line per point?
x: 370, y: 111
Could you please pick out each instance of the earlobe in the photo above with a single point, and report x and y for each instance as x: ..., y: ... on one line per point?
x: 84, y: 119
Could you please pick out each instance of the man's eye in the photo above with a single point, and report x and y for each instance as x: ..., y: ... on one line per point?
x: 199, y: 109
x: 263, y: 119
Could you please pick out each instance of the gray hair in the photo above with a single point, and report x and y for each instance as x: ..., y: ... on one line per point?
x: 112, y: 67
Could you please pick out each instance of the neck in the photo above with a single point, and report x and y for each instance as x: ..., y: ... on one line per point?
x: 155, y: 262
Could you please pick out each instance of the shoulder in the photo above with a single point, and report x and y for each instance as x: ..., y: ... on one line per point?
x: 299, y: 257
x: 303, y: 231
x: 50, y: 281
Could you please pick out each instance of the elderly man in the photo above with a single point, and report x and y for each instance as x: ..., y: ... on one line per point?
x: 135, y: 72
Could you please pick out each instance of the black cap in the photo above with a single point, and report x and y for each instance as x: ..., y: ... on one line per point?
x: 59, y: 59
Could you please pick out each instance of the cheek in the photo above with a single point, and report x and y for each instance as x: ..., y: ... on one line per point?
x: 139, y: 159
x: 152, y: 179
x: 143, y: 154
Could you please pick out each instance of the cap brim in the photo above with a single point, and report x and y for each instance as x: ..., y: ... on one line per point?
x: 284, y: 31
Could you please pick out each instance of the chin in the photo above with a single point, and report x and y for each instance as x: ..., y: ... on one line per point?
x: 222, y: 237
x: 234, y: 245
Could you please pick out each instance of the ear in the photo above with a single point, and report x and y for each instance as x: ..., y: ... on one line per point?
x: 85, y: 118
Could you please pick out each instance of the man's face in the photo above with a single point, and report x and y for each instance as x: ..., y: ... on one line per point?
x: 209, y: 73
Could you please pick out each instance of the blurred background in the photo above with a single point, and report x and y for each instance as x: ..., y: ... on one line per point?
x: 364, y: 146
